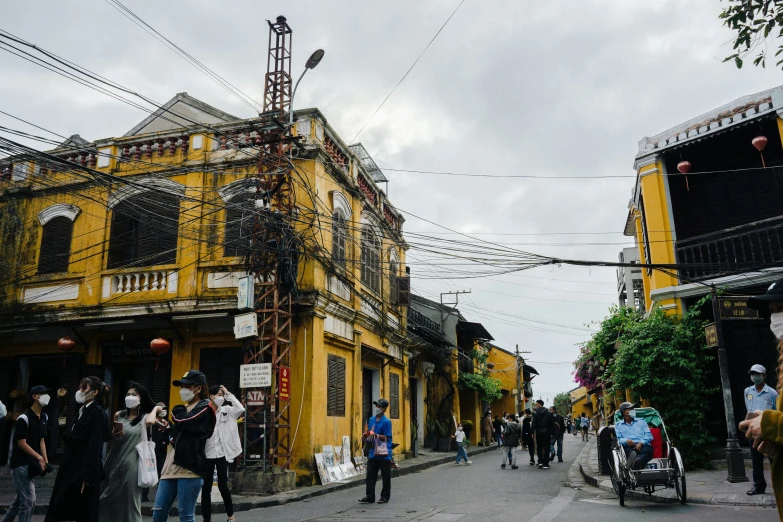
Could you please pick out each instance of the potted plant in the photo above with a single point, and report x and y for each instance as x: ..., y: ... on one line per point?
x: 467, y: 427
x: 444, y: 436
x: 431, y: 437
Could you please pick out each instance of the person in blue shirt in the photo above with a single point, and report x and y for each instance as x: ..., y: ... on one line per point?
x: 635, y: 437
x: 759, y: 397
x: 379, y: 436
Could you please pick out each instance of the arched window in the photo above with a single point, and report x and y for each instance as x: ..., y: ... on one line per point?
x: 393, y: 281
x: 339, y: 234
x: 55, y: 245
x: 239, y: 225
x: 371, y: 259
x: 144, y: 230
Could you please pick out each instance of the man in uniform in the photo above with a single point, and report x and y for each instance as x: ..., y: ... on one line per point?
x: 759, y: 397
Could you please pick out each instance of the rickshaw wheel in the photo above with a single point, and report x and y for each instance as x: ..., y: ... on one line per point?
x: 679, y: 477
x: 617, y: 481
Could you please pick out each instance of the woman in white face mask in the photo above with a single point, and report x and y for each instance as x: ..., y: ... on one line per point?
x: 221, y: 449
x: 121, y: 497
x: 765, y: 430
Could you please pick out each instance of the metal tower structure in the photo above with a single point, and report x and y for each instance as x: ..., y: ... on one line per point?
x: 274, y: 256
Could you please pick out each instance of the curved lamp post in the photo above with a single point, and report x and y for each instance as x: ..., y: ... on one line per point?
x: 312, y: 63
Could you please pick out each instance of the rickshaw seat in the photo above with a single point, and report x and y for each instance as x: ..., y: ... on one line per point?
x: 657, y: 443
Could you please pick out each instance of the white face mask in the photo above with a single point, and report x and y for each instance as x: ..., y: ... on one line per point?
x: 632, y: 414
x: 131, y: 401
x: 776, y: 325
x: 186, y: 394
x: 218, y: 400
x: 162, y: 414
x: 378, y: 411
x: 81, y: 397
x: 459, y: 428
x: 43, y: 400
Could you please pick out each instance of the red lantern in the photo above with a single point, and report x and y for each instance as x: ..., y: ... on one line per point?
x: 66, y: 344
x: 760, y: 142
x: 160, y: 346
x: 685, y: 167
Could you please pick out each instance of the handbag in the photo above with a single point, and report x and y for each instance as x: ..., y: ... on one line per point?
x: 381, y: 449
x: 148, y: 465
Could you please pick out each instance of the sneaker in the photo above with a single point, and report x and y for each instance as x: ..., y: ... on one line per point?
x: 560, y: 460
x: 383, y: 500
x: 545, y: 467
x: 551, y: 457
x: 540, y: 466
x: 367, y: 500
x: 468, y: 463
x: 514, y: 467
x: 502, y: 466
x: 456, y: 463
x: 532, y: 462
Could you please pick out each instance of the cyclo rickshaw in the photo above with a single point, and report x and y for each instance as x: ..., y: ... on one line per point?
x: 665, y: 470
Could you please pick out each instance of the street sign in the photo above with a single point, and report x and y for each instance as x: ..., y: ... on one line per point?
x: 245, y: 325
x: 245, y: 293
x: 711, y: 333
x: 736, y: 308
x: 284, y: 383
x: 255, y: 397
x: 255, y: 375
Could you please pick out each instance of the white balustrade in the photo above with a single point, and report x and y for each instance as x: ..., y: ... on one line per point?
x: 138, y: 282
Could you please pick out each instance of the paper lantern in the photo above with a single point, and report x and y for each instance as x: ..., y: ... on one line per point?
x: 760, y: 142
x: 684, y: 167
x: 160, y: 346
x: 66, y: 344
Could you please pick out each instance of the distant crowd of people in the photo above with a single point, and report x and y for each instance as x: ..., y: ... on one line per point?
x: 192, y: 443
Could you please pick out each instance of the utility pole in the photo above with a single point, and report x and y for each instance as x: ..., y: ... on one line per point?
x: 734, y: 459
x: 520, y: 399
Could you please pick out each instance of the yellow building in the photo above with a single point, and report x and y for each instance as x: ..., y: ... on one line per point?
x: 507, y: 369
x: 118, y: 241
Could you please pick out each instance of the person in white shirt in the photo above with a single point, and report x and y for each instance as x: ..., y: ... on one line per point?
x: 221, y: 449
x: 461, y: 453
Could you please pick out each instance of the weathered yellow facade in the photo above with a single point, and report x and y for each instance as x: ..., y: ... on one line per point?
x: 113, y: 313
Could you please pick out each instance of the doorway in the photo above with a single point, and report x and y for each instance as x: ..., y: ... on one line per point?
x: 371, y: 390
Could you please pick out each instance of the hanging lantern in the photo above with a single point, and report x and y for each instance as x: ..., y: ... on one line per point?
x: 160, y: 346
x: 760, y: 142
x: 685, y: 167
x: 66, y: 344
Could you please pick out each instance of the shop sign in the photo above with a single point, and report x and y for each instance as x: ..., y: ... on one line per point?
x: 284, y: 383
x: 255, y: 375
x: 711, y: 333
x: 255, y: 397
x: 736, y: 308
x: 126, y: 350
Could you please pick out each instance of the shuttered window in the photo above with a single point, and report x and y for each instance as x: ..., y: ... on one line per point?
x: 221, y: 366
x: 239, y: 226
x: 393, y: 282
x: 371, y: 259
x: 335, y: 387
x: 394, y: 395
x: 144, y: 231
x: 339, y: 233
x: 55, y: 245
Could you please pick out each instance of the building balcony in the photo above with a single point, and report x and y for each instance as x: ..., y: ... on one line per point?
x: 731, y: 251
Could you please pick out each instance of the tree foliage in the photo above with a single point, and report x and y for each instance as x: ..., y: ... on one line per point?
x: 662, y: 358
x: 488, y: 388
x: 562, y: 403
x: 755, y: 23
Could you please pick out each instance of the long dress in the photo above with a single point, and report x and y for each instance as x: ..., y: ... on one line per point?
x: 121, y: 497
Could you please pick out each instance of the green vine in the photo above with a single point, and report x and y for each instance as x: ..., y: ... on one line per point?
x: 488, y: 388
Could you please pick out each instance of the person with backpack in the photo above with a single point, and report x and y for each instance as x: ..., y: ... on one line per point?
x: 543, y: 424
x: 527, y: 435
x: 557, y: 435
x: 510, y: 442
x: 28, y: 456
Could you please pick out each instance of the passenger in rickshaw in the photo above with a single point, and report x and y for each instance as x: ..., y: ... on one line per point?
x: 634, y: 436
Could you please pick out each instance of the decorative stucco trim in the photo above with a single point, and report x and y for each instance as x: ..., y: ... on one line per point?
x: 145, y: 185
x: 643, y: 162
x: 340, y: 202
x: 368, y: 218
x: 394, y: 256
x: 236, y: 188
x: 59, y: 210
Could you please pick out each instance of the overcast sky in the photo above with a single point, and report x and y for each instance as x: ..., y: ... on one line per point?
x: 508, y: 87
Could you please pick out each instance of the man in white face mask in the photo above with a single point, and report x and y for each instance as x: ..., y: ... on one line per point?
x: 635, y: 436
x: 759, y: 397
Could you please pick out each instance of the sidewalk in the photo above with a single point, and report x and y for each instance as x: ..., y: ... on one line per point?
x: 704, y: 487
x: 426, y: 459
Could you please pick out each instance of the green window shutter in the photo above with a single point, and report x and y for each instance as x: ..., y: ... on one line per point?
x: 335, y: 386
x: 55, y: 245
x: 394, y: 396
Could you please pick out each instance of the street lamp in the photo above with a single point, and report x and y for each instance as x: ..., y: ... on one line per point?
x: 311, y: 63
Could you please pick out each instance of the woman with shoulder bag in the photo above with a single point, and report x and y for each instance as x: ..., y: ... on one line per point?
x: 121, y: 497
x: 221, y: 449
x: 76, y: 493
x: 183, y: 472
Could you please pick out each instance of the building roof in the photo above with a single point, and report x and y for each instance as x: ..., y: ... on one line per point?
x: 738, y: 112
x: 368, y: 163
x: 475, y: 330
x: 182, y: 110
x: 436, y: 305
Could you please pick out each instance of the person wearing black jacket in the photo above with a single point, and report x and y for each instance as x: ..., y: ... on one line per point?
x: 542, y: 426
x: 527, y: 435
x: 183, y: 471
x: 77, y: 491
x: 557, y: 435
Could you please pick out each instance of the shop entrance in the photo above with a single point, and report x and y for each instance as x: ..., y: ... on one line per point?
x: 133, y: 360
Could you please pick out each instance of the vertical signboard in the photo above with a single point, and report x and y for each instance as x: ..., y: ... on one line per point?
x: 284, y: 383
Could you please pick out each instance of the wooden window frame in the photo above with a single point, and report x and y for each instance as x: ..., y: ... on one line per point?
x: 55, y: 252
x: 339, y: 235
x: 371, y: 259
x: 233, y: 236
x: 394, y: 395
x: 335, y: 385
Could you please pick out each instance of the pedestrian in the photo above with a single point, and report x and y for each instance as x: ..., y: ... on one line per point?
x: 584, y: 424
x: 557, y: 435
x: 121, y: 497
x: 76, y: 494
x: 486, y: 427
x: 510, y: 442
x: 461, y: 453
x: 221, y: 449
x: 497, y: 425
x: 635, y: 437
x: 759, y: 397
x: 577, y: 420
x: 160, y: 436
x: 596, y: 422
x: 527, y: 435
x: 763, y: 429
x: 542, y: 433
x: 379, y: 436
x: 183, y: 471
x: 28, y: 454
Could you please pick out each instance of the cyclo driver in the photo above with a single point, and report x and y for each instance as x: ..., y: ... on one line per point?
x: 635, y: 437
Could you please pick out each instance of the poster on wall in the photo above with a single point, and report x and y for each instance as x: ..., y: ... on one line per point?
x: 328, y: 452
x: 348, y: 470
x: 322, y: 471
x: 335, y: 474
x: 361, y: 463
x: 346, y: 450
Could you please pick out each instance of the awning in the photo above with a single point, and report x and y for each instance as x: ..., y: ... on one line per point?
x: 529, y: 369
x: 475, y: 330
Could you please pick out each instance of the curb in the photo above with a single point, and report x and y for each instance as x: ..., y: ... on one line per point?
x: 296, y: 496
x: 667, y: 496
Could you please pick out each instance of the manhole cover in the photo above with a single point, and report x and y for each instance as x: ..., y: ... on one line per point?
x: 372, y: 513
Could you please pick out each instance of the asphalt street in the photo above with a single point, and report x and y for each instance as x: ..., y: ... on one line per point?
x: 485, y: 492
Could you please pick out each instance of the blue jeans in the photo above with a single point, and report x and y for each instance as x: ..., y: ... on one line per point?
x: 186, y: 490
x: 559, y: 441
x: 24, y: 502
x: 461, y: 452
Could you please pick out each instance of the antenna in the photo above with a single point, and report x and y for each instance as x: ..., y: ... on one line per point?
x: 456, y: 297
